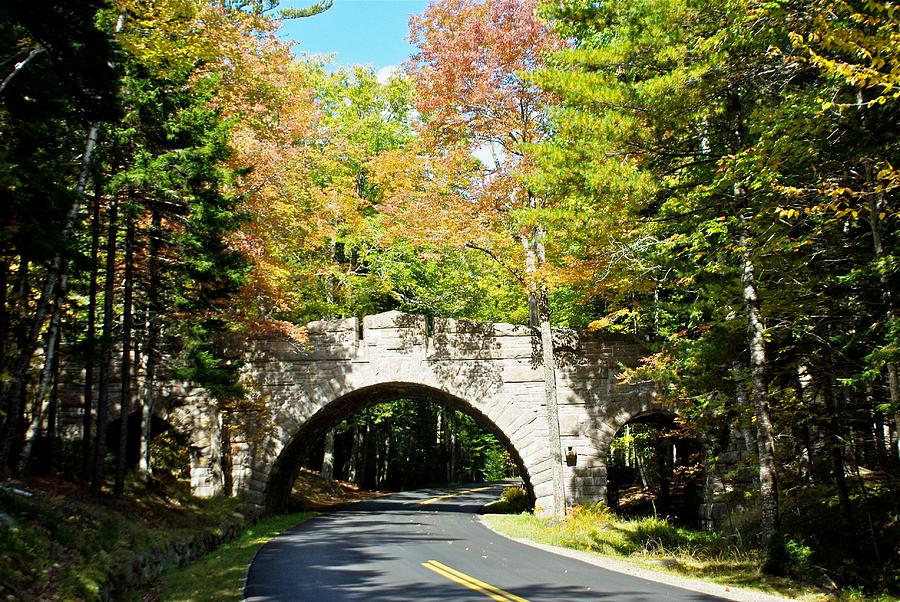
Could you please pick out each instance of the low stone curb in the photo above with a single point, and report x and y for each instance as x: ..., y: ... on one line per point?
x: 141, y: 570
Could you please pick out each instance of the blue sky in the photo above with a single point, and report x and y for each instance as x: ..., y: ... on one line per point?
x: 360, y: 32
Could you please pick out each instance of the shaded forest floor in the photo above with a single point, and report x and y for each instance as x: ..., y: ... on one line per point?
x: 312, y: 493
x: 56, y: 543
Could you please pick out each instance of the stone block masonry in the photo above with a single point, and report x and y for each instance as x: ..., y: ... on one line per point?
x: 491, y: 371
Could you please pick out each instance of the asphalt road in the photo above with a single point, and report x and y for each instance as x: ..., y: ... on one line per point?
x: 399, y: 548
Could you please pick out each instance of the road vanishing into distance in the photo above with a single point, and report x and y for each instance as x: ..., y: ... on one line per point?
x: 429, y: 545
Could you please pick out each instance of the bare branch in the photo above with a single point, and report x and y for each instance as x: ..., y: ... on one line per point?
x: 492, y: 255
x: 38, y: 49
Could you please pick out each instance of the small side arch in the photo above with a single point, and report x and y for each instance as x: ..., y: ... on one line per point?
x: 669, y: 480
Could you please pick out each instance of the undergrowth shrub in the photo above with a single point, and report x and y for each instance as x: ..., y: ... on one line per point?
x: 788, y: 558
x: 513, y: 500
x: 513, y: 494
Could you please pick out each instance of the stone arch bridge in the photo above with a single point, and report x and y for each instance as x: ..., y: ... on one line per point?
x: 491, y: 371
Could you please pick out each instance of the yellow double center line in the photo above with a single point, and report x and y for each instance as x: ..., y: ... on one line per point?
x: 494, y: 593
x: 449, y: 495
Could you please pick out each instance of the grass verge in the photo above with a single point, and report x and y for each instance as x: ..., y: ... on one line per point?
x: 654, y: 544
x: 219, y: 576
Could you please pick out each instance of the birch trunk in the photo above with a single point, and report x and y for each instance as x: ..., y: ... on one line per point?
x: 20, y: 381
x: 768, y: 482
x: 36, y: 50
x: 756, y: 343
x: 42, y: 400
x: 451, y: 448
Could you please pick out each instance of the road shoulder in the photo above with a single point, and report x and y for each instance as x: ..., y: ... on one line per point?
x: 620, y: 566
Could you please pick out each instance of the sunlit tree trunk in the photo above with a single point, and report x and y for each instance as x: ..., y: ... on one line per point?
x: 451, y: 447
x: 756, y: 343
x: 16, y: 400
x: 328, y: 457
x: 765, y: 441
x: 539, y: 314
x: 42, y: 399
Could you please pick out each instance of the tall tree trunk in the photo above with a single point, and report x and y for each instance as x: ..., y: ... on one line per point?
x: 444, y: 431
x: 807, y: 395
x: 877, y: 202
x: 451, y: 446
x: 386, y: 465
x: 765, y: 441
x: 365, y: 442
x: 549, y: 361
x: 4, y: 311
x: 328, y: 457
x: 99, y: 472
x: 534, y: 258
x: 53, y: 413
x: 19, y: 376
x: 353, y: 461
x: 91, y: 351
x: 831, y: 411
x: 768, y: 482
x: 151, y: 352
x: 42, y: 399
x: 127, y: 326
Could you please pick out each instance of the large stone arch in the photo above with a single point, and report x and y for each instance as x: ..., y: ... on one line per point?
x: 491, y: 370
x: 284, y: 468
